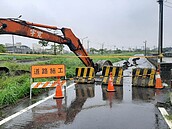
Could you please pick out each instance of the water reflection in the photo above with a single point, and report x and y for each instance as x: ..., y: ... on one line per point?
x: 64, y: 111
x: 110, y: 98
x: 143, y: 93
x: 138, y: 93
x: 82, y: 93
x: 60, y: 112
x: 118, y: 94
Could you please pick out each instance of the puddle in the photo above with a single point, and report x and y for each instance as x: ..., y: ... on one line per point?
x: 91, y: 106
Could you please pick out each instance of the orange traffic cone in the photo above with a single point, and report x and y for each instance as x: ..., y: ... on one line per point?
x: 158, y: 84
x: 110, y: 84
x: 58, y: 94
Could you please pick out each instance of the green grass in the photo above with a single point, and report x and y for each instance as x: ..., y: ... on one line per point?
x: 21, y: 57
x: 13, y: 88
x: 169, y: 117
x: 10, y: 57
x: 13, y: 66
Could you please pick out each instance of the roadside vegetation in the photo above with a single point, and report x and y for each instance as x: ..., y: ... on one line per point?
x: 15, y: 87
x: 169, y: 117
x: 18, y: 57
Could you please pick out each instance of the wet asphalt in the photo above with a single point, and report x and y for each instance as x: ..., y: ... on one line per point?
x: 90, y: 106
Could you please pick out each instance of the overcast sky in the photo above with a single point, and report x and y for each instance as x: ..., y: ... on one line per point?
x: 114, y: 23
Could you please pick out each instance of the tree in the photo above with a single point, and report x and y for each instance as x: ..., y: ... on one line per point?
x: 60, y: 48
x: 43, y: 43
x: 118, y: 51
x: 2, y: 48
x: 101, y: 51
x: 54, y: 47
x: 93, y: 50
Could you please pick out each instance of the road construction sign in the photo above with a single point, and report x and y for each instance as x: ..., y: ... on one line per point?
x: 43, y: 71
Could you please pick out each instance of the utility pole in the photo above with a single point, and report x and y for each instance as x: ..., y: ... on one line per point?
x: 13, y: 47
x: 83, y: 40
x: 114, y: 49
x: 102, y: 48
x: 88, y: 46
x: 13, y: 43
x: 160, y: 39
x: 145, y: 46
x: 55, y: 49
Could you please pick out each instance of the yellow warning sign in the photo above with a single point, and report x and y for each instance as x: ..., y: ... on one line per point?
x: 41, y: 71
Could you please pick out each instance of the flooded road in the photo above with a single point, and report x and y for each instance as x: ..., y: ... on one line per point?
x: 92, y: 107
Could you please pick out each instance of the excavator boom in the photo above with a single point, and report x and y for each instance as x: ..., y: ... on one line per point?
x: 31, y: 30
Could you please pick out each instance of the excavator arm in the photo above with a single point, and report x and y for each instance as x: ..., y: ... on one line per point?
x: 31, y: 30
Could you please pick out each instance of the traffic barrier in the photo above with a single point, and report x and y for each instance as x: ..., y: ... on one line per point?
x: 143, y: 77
x: 83, y: 91
x: 110, y: 84
x: 59, y: 93
x: 158, y: 81
x: 50, y: 84
x: 117, y: 75
x: 85, y: 75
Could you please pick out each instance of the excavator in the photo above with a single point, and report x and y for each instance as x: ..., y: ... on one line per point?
x: 19, y: 27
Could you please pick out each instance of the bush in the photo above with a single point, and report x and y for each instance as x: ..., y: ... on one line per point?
x: 14, y: 88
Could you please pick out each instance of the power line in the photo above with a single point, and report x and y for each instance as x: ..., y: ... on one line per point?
x: 168, y: 2
x: 167, y: 6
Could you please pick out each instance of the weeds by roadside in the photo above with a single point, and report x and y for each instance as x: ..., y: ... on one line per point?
x: 169, y: 117
x: 13, y: 88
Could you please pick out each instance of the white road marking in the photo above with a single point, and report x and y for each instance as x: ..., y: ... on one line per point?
x: 164, y: 114
x: 30, y: 107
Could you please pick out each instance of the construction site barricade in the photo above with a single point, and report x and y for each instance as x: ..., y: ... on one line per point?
x: 143, y: 77
x: 117, y: 75
x: 47, y: 71
x: 48, y: 84
x: 85, y: 75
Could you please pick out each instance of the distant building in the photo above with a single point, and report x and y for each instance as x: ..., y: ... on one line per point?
x: 17, y: 48
x: 36, y: 48
x: 25, y: 49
